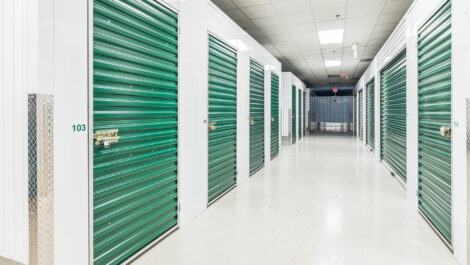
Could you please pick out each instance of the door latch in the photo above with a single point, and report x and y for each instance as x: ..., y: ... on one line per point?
x: 211, y: 126
x: 446, y: 131
x: 252, y: 122
x: 106, y: 137
x: 272, y: 119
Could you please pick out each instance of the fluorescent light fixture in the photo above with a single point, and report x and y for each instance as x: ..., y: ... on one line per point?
x: 332, y: 63
x: 331, y: 36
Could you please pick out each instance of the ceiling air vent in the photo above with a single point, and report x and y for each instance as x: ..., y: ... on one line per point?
x: 339, y: 76
x: 367, y: 60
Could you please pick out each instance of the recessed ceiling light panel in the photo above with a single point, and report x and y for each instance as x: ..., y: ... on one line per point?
x: 331, y: 36
x: 333, y: 63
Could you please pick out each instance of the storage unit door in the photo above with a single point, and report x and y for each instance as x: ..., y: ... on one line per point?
x: 370, y: 114
x: 434, y: 115
x: 294, y: 114
x: 299, y: 115
x: 135, y: 92
x: 256, y: 116
x: 393, y: 115
x: 274, y: 115
x: 304, y: 116
x: 222, y: 126
x: 361, y: 128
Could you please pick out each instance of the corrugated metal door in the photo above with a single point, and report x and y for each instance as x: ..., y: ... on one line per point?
x: 304, y: 116
x: 274, y: 115
x: 222, y: 118
x: 370, y: 114
x: 361, y: 113
x: 256, y: 116
x: 434, y: 114
x: 135, y: 78
x: 299, y: 120
x: 294, y: 114
x: 393, y: 114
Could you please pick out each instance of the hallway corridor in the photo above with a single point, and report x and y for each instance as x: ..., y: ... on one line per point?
x: 324, y: 201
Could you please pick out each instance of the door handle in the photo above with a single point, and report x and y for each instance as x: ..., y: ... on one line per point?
x: 252, y: 122
x: 272, y: 119
x: 106, y: 137
x: 446, y: 131
x: 211, y: 126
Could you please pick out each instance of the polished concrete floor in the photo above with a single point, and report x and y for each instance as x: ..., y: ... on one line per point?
x: 325, y: 201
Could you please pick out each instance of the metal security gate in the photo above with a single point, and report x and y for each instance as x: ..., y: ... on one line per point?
x: 222, y: 122
x: 294, y: 114
x: 361, y: 112
x: 370, y: 114
x: 434, y: 121
x: 274, y: 115
x: 256, y: 116
x: 135, y: 115
x: 393, y: 115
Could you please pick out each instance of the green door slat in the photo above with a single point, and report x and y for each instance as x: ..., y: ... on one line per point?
x: 222, y: 141
x: 294, y: 114
x: 434, y: 111
x: 135, y: 90
x: 298, y: 121
x: 370, y: 114
x: 361, y: 113
x: 274, y: 115
x: 256, y: 116
x: 393, y: 114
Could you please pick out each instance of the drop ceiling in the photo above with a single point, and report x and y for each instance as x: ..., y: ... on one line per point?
x: 289, y: 30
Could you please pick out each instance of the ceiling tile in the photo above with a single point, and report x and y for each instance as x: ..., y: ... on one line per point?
x: 247, y: 3
x: 299, y: 18
x: 327, y: 4
x: 291, y: 6
x: 267, y: 22
x: 330, y: 14
x: 224, y: 4
x: 329, y: 25
x: 236, y: 14
x: 371, y: 9
x: 260, y: 11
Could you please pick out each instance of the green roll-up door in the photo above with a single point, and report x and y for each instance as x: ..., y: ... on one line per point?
x: 301, y: 115
x: 299, y: 119
x: 135, y: 78
x: 370, y: 114
x: 256, y: 116
x: 222, y: 118
x: 294, y: 114
x: 274, y: 115
x: 434, y: 113
x: 361, y: 113
x: 304, y: 116
x: 393, y: 115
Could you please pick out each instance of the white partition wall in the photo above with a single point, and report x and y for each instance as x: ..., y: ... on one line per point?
x: 285, y: 101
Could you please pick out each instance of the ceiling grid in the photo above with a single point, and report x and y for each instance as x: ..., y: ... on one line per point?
x: 289, y: 30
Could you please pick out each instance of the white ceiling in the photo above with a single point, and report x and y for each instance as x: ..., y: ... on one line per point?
x: 289, y: 30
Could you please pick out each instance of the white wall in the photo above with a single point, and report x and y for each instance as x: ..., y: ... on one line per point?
x: 18, y: 77
x: 285, y: 101
x: 405, y: 35
x: 197, y: 18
